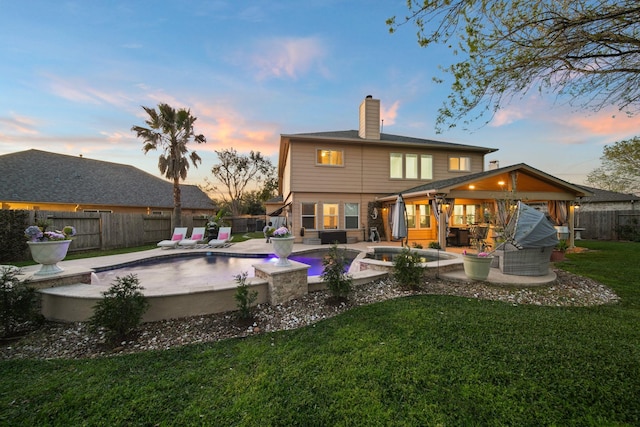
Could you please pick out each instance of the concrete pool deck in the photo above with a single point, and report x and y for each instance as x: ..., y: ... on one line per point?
x: 71, y: 296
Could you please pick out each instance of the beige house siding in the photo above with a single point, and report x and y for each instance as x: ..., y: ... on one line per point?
x: 286, y: 177
x: 320, y: 199
x: 365, y: 170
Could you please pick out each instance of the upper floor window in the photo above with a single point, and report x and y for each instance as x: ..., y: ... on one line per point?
x: 395, y: 165
x: 329, y: 157
x: 426, y: 166
x: 410, y: 166
x: 460, y: 164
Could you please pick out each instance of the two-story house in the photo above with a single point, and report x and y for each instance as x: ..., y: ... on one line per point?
x: 341, y: 184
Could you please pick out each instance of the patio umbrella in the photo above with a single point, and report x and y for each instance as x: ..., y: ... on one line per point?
x: 399, y: 220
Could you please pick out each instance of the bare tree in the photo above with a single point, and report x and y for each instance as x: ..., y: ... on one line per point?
x: 235, y: 172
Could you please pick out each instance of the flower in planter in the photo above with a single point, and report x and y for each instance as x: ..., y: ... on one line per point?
x: 37, y: 234
x: 281, y: 232
x: 479, y: 255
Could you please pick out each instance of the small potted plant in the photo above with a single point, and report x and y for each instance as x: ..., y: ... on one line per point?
x: 558, y: 252
x: 282, y: 240
x: 477, y: 265
x: 48, y: 247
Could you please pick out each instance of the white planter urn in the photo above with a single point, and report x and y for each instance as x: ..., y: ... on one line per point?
x: 475, y: 267
x: 49, y: 254
x: 282, y: 247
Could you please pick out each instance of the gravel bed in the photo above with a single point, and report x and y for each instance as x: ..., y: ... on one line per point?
x: 73, y: 340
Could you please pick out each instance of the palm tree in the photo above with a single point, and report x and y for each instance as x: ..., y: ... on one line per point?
x: 171, y: 130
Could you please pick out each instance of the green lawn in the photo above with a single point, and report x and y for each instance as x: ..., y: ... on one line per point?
x: 428, y: 360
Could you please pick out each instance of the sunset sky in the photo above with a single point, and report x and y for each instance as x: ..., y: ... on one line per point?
x: 74, y: 75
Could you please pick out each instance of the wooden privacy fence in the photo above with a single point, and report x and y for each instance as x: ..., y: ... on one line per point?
x: 114, y: 230
x: 602, y: 225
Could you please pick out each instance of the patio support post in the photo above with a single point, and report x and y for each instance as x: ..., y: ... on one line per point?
x: 442, y: 222
x: 572, y: 225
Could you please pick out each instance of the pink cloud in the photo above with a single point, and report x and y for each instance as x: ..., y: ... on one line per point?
x: 18, y: 124
x: 225, y: 127
x: 288, y: 57
x: 388, y: 115
x: 78, y: 90
x: 506, y: 116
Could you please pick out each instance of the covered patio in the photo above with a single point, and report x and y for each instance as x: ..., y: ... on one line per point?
x: 472, y: 210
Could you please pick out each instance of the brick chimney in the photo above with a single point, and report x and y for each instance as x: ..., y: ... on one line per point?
x: 369, y: 118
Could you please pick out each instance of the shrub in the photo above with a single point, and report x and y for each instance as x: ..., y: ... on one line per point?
x: 120, y: 311
x: 333, y: 274
x: 434, y: 245
x: 18, y: 303
x: 244, y: 297
x: 12, y: 225
x: 630, y: 231
x: 407, y: 269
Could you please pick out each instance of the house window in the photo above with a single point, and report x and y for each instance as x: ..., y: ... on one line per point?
x: 330, y: 216
x: 351, y: 215
x: 329, y: 157
x: 464, y: 214
x: 411, y: 166
x: 460, y: 164
x: 426, y: 166
x: 395, y: 165
x: 418, y: 216
x: 411, y: 216
x: 309, y: 216
x: 424, y: 216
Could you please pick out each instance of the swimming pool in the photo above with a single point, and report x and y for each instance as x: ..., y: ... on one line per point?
x: 206, y: 268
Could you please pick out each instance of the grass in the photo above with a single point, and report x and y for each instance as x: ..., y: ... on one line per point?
x: 428, y: 360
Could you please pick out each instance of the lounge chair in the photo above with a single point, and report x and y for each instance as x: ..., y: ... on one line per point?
x: 196, y: 237
x: 224, y: 236
x: 178, y: 234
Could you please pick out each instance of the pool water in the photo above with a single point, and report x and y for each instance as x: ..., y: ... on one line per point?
x: 203, y: 270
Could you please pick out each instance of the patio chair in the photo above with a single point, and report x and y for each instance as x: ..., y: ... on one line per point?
x: 196, y: 237
x: 224, y: 237
x: 478, y: 235
x: 178, y: 234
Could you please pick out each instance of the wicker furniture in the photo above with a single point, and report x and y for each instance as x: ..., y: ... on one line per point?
x: 523, y: 262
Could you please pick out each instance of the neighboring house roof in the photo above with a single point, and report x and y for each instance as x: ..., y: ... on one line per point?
x: 37, y: 176
x: 602, y: 196
x: 446, y: 185
x: 277, y: 199
x: 385, y: 139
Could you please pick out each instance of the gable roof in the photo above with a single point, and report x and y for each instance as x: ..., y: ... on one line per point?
x: 37, y: 176
x: 385, y: 139
x: 449, y: 184
x: 600, y: 196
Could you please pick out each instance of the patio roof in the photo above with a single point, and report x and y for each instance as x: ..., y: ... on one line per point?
x: 520, y: 180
